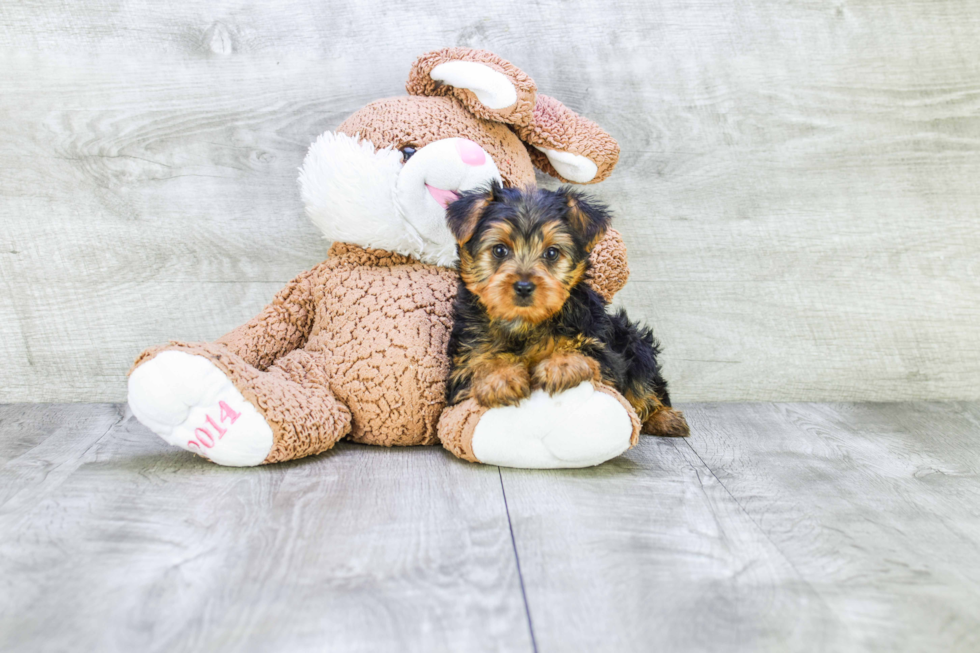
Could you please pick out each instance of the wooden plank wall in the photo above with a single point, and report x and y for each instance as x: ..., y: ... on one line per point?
x: 798, y: 187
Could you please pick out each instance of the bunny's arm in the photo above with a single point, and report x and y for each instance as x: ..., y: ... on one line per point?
x: 610, y: 269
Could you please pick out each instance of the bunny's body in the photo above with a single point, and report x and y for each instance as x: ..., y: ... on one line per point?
x: 357, y: 347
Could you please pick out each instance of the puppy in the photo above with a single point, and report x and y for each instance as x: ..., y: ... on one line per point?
x: 524, y: 319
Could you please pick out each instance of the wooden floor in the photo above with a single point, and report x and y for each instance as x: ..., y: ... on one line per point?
x: 775, y: 527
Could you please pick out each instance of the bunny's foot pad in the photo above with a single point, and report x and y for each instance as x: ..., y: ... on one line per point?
x: 190, y: 403
x: 580, y: 427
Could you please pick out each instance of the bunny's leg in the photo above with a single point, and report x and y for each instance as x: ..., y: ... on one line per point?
x: 208, y: 400
x: 581, y: 427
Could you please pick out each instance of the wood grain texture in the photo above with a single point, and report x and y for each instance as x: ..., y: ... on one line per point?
x: 650, y: 553
x: 797, y: 185
x: 41, y: 445
x: 801, y: 527
x: 876, y: 506
x: 774, y: 527
x: 141, y: 547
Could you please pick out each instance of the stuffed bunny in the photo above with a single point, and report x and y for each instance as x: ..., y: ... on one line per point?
x: 356, y: 347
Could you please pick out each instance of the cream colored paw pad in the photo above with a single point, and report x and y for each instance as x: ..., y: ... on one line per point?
x: 190, y: 403
x: 576, y: 428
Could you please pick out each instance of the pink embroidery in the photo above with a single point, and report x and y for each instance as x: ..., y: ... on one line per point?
x: 204, y: 437
x: 203, y: 433
x: 221, y: 431
x: 226, y: 411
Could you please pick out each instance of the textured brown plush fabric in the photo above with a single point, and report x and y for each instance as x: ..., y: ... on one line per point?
x: 610, y: 269
x: 556, y: 127
x: 456, y: 426
x: 538, y: 120
x: 418, y: 121
x: 356, y: 347
x: 293, y: 396
x: 371, y: 330
x: 519, y: 113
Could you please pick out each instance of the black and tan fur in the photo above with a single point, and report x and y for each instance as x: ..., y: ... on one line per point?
x: 525, y: 320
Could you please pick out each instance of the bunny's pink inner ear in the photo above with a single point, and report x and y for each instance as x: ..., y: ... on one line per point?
x: 488, y: 86
x: 566, y: 145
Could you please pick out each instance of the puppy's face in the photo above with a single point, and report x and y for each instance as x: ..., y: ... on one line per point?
x: 522, y: 251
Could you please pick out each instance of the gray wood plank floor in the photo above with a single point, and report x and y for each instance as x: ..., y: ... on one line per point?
x: 775, y: 527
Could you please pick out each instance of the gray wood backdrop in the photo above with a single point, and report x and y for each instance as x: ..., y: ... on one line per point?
x: 798, y: 186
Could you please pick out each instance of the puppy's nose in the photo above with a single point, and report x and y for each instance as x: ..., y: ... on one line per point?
x: 523, y: 288
x: 471, y: 153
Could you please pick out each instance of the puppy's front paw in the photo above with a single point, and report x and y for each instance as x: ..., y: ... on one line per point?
x: 564, y: 371
x: 504, y: 385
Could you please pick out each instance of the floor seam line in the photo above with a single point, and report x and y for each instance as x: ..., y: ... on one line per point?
x: 775, y: 546
x: 517, y: 560
x: 119, y: 420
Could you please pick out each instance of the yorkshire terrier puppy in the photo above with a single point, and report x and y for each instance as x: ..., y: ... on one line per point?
x: 524, y: 319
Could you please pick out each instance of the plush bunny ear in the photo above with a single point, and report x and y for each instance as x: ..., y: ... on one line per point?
x: 490, y: 87
x: 566, y: 145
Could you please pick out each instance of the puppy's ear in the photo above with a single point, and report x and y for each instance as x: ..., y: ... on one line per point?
x: 589, y: 218
x: 463, y: 215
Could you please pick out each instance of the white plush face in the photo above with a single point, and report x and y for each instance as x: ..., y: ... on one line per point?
x: 358, y: 194
x: 430, y: 180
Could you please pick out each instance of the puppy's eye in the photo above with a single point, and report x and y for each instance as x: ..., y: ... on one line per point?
x: 551, y: 253
x: 500, y: 251
x: 407, y: 153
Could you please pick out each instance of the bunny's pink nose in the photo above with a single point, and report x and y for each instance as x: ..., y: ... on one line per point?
x: 471, y: 153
